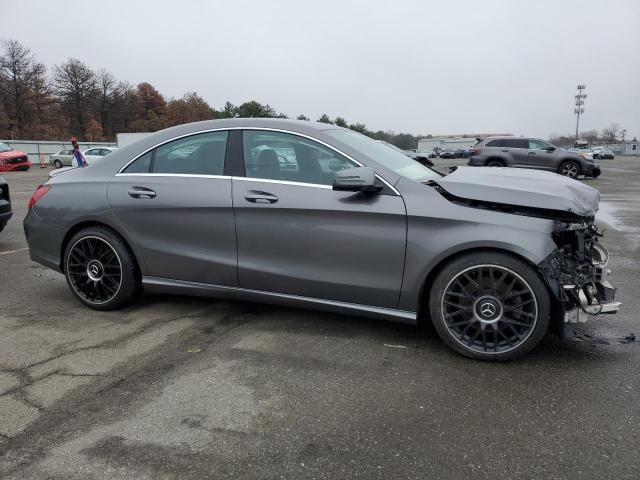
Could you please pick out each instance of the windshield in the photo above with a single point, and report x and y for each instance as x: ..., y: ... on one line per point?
x: 4, y: 147
x: 385, y: 155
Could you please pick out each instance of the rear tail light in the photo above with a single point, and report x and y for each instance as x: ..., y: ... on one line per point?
x: 39, y: 193
x: 473, y: 151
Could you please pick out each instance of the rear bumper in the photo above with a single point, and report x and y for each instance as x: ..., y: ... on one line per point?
x: 44, y: 240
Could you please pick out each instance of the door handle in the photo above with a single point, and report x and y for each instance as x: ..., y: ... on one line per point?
x: 532, y: 153
x: 260, y: 197
x: 141, y: 192
x: 505, y: 151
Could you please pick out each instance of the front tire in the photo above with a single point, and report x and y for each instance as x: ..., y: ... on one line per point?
x: 569, y: 169
x: 57, y: 164
x: 489, y: 306
x: 100, y: 269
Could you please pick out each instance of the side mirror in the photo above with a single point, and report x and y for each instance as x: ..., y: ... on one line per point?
x: 359, y: 179
x: 551, y: 148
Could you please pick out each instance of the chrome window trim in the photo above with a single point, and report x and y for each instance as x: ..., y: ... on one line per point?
x: 280, y: 130
x: 185, y: 175
x: 283, y: 182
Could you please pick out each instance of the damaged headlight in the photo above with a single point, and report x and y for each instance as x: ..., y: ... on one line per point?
x: 599, y: 255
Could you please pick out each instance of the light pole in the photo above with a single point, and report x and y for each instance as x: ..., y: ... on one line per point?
x: 579, y: 105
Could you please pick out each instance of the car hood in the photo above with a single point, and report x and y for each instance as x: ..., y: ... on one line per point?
x: 9, y: 154
x: 530, y: 189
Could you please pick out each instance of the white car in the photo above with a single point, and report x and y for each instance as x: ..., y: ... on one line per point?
x: 92, y: 155
x: 61, y: 159
x: 97, y: 154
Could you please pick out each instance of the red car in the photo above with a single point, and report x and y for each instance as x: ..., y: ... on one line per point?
x: 13, y: 160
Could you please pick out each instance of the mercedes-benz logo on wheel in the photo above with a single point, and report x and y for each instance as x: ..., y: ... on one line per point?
x: 488, y: 309
x: 95, y: 270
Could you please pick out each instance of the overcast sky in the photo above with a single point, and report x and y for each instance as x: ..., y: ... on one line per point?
x: 404, y: 65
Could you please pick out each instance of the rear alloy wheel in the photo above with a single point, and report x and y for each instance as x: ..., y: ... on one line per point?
x: 570, y: 169
x: 490, y: 306
x: 57, y: 163
x: 495, y: 163
x: 100, y: 269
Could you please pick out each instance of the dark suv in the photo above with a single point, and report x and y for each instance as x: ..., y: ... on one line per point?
x: 5, y: 204
x: 531, y: 153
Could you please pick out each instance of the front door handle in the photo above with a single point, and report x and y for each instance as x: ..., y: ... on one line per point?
x: 532, y: 153
x: 255, y: 196
x: 505, y: 151
x: 141, y: 192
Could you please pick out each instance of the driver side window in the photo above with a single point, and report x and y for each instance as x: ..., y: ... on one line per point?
x: 537, y: 145
x: 287, y: 157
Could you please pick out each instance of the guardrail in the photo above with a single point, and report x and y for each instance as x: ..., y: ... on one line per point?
x: 34, y: 148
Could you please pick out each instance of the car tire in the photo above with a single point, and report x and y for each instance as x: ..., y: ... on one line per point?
x: 569, y: 168
x: 489, y: 306
x: 100, y: 269
x: 57, y: 164
x: 495, y: 163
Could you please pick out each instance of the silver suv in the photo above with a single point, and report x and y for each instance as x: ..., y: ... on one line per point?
x: 531, y: 153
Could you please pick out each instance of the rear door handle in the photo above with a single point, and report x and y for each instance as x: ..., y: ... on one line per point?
x: 141, y: 192
x: 260, y: 197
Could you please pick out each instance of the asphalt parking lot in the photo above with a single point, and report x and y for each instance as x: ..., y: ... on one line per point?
x: 177, y: 387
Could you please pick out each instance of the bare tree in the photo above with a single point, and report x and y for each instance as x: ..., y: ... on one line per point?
x: 610, y: 134
x: 107, y: 85
x: 21, y: 80
x: 75, y: 84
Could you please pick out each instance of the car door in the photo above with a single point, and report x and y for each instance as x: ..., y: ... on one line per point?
x: 66, y: 157
x: 175, y: 203
x: 542, y: 156
x: 298, y: 236
x: 92, y: 155
x: 517, y: 151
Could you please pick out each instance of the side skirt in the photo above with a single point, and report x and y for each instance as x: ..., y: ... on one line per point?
x: 164, y: 285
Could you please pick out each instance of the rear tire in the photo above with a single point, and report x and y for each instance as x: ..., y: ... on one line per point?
x: 100, y: 269
x: 495, y: 163
x: 569, y: 168
x: 489, y: 306
x: 57, y: 164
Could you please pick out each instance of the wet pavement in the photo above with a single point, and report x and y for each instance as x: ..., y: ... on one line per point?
x: 177, y: 387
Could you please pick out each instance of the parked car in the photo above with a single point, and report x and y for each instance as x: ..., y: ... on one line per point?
x: 64, y: 158
x: 97, y: 154
x: 462, y: 153
x: 418, y: 157
x: 602, y: 153
x: 13, y: 160
x: 447, y: 154
x: 492, y: 257
x: 5, y: 203
x: 532, y: 153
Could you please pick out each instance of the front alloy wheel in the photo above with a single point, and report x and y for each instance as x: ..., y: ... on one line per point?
x: 490, y: 306
x: 570, y: 169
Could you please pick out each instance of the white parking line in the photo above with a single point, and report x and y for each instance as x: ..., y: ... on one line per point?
x: 14, y: 251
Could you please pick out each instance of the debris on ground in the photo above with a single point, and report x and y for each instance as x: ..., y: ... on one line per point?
x: 401, y: 347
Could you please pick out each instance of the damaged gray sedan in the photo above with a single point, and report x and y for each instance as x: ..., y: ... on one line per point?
x: 312, y: 215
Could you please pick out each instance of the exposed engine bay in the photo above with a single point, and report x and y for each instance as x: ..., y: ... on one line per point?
x: 577, y: 272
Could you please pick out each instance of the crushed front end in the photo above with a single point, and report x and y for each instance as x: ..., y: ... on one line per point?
x: 577, y: 273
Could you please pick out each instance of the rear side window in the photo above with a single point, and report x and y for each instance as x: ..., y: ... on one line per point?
x: 515, y: 143
x: 201, y: 154
x: 538, y: 145
x: 141, y: 165
x: 494, y: 143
